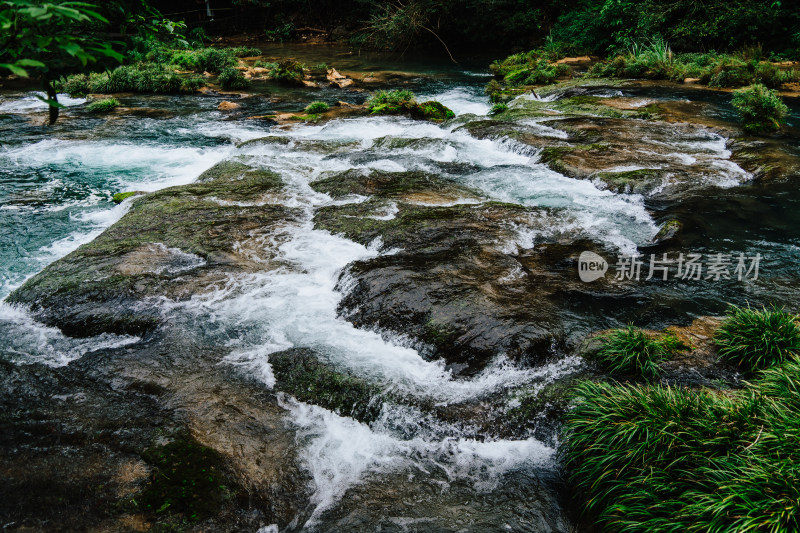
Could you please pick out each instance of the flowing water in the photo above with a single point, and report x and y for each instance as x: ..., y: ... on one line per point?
x: 56, y: 195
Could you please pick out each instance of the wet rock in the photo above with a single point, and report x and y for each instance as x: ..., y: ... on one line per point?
x: 520, y: 501
x: 225, y: 105
x: 92, y: 445
x: 338, y: 80
x: 171, y: 243
x: 451, y: 282
x: 669, y: 230
x: 301, y: 373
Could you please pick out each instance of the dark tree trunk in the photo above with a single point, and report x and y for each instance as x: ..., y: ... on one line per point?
x: 52, y: 96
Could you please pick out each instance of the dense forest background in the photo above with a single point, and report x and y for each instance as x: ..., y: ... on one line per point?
x: 594, y: 26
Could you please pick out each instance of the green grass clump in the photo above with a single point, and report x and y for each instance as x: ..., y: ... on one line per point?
x: 754, y: 340
x: 653, y: 458
x: 139, y: 78
x: 655, y: 60
x: 528, y: 68
x: 433, y: 110
x: 632, y: 352
x: 103, y: 106
x: 265, y: 64
x: 205, y: 60
x: 760, y: 109
x: 317, y: 107
x: 232, y: 78
x: 404, y: 102
x: 498, y: 108
x: 245, y: 51
x: 391, y: 102
x: 288, y: 71
x: 493, y: 90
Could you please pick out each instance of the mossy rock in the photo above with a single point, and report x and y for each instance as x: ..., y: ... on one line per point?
x: 389, y: 184
x: 99, y: 287
x: 433, y: 110
x: 301, y: 373
x: 668, y: 231
x: 188, y: 478
x: 631, y: 181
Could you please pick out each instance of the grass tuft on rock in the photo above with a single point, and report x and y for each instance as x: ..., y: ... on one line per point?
x: 103, y: 106
x: 140, y: 78
x: 404, y: 102
x: 317, y: 107
x: 756, y: 339
x: 631, y: 352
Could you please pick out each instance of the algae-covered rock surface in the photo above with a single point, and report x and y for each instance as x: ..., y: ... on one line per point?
x: 170, y: 244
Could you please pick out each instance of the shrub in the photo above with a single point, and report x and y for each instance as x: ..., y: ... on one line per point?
x: 103, y: 106
x: 655, y: 458
x: 190, y: 85
x: 232, y: 78
x: 754, y: 339
x: 527, y: 68
x: 288, y: 71
x: 265, y: 64
x: 498, y: 108
x: 214, y: 60
x: 632, y: 352
x: 760, y: 109
x: 76, y: 85
x: 391, y: 102
x: 317, y: 107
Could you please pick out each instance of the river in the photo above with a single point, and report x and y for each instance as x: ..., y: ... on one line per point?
x: 57, y: 185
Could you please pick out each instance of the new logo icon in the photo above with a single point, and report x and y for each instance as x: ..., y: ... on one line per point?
x: 591, y: 266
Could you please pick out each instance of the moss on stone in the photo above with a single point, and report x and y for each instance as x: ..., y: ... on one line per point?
x: 187, y: 478
x: 120, y: 197
x: 85, y: 293
x: 389, y: 184
x: 630, y: 180
x: 433, y: 110
x: 302, y: 374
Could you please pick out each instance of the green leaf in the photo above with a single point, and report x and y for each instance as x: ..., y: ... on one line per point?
x: 51, y: 103
x: 30, y: 63
x: 71, y: 48
x: 18, y: 71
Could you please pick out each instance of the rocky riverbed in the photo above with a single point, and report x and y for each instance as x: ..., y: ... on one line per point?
x: 370, y: 323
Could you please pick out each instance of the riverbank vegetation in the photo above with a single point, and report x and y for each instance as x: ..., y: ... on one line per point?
x: 654, y: 457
